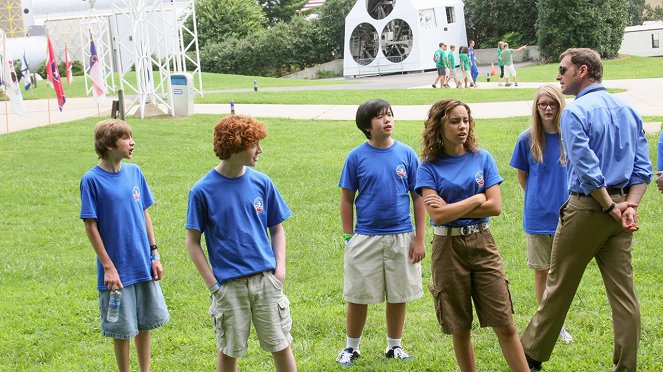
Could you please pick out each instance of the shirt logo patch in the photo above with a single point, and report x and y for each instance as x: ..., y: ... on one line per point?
x: 136, y: 193
x: 479, y: 178
x: 257, y: 204
x: 400, y: 171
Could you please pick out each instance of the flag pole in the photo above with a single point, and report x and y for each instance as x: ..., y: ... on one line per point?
x: 6, y: 118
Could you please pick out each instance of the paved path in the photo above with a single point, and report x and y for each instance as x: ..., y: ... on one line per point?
x: 645, y: 95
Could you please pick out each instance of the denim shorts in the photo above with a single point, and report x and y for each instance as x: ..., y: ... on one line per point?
x: 142, y: 308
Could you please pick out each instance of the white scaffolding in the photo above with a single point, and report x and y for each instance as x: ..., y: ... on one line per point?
x: 95, y: 27
x: 147, y: 41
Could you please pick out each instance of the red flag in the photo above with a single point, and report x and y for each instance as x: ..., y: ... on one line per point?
x: 67, y: 66
x: 53, y: 74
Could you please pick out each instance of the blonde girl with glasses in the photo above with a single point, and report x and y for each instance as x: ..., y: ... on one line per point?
x: 541, y: 164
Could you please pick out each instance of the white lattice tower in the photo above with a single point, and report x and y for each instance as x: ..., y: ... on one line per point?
x: 95, y: 27
x: 181, y: 54
x: 146, y: 34
x: 11, y: 17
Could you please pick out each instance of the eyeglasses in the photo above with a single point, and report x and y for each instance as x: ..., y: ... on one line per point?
x: 544, y: 106
x: 562, y: 70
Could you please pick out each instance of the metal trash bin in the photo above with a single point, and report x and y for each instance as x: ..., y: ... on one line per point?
x: 182, y: 87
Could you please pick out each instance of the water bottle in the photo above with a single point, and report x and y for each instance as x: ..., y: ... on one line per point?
x: 114, y: 303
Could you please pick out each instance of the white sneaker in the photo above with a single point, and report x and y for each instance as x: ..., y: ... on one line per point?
x: 565, y: 336
x: 397, y: 353
x: 347, y: 356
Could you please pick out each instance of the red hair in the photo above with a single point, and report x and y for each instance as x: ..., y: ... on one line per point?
x: 236, y: 133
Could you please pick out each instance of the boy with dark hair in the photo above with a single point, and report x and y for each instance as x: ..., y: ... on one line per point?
x: 234, y: 206
x: 114, y: 202
x: 383, y: 252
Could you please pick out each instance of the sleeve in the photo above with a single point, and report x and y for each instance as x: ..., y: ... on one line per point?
x: 88, y: 199
x: 584, y: 161
x: 148, y: 197
x: 491, y: 174
x: 660, y: 153
x: 519, y: 158
x: 412, y: 171
x: 642, y: 168
x: 349, y: 174
x: 277, y: 209
x: 196, y: 214
x: 425, y: 178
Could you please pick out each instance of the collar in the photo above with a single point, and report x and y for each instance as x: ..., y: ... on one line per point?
x: 590, y: 89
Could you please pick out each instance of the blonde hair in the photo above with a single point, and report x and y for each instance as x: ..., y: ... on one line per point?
x: 537, y: 134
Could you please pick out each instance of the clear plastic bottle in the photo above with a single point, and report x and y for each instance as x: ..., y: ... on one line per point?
x: 114, y: 303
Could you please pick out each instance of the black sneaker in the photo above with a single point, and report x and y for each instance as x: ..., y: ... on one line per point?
x: 434, y: 86
x: 534, y: 365
x: 397, y: 353
x: 347, y: 356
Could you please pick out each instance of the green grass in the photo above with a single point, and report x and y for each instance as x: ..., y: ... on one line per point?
x: 624, y: 67
x: 211, y: 82
x: 356, y: 97
x: 49, y: 319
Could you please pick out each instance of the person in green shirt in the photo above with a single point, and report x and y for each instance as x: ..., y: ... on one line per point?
x: 507, y: 57
x: 500, y: 62
x: 464, y: 57
x: 440, y: 59
x: 451, y: 63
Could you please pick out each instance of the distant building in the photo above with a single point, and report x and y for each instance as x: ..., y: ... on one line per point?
x: 644, y: 40
x: 389, y: 36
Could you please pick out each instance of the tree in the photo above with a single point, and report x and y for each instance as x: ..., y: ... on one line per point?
x: 488, y: 21
x: 331, y: 20
x: 280, y: 10
x: 635, y: 12
x: 652, y: 13
x: 220, y: 19
x: 596, y: 24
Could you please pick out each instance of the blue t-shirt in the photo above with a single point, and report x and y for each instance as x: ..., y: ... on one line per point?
x: 546, y: 188
x: 234, y: 214
x: 383, y: 179
x: 118, y: 201
x: 660, y: 153
x: 457, y: 178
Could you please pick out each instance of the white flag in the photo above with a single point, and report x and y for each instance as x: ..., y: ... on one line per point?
x: 10, y: 84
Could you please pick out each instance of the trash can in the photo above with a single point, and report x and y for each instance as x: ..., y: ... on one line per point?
x: 182, y: 87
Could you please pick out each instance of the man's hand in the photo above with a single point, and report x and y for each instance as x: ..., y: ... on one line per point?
x: 630, y: 219
x: 434, y: 200
x: 417, y: 251
x: 659, y: 181
x: 626, y: 215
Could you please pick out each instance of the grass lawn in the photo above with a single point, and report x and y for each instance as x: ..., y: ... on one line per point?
x: 356, y: 97
x: 624, y: 67
x: 49, y: 316
x: 211, y: 82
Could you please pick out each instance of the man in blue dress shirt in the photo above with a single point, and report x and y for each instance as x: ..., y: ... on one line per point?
x: 608, y: 172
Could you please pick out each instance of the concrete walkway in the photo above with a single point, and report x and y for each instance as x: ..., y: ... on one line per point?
x: 645, y: 95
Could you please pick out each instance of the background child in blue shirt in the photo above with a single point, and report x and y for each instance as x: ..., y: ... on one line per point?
x: 383, y: 253
x: 114, y: 202
x: 541, y: 163
x: 234, y: 206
